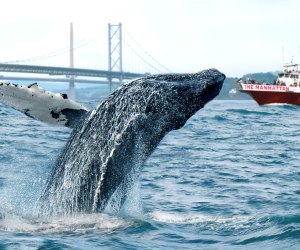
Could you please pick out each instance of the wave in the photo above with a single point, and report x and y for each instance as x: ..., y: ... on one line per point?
x: 78, y: 223
x: 251, y: 111
x: 194, y: 219
x: 246, y: 229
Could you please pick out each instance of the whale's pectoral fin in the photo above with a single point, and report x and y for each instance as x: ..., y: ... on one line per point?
x: 42, y: 105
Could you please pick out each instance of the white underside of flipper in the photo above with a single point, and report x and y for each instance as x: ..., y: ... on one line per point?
x: 42, y: 105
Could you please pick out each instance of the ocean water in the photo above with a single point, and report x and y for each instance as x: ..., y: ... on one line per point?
x: 229, y: 179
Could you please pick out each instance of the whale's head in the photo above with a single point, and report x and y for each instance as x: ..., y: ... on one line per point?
x: 176, y: 97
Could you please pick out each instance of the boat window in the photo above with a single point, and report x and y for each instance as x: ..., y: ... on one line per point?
x: 286, y: 75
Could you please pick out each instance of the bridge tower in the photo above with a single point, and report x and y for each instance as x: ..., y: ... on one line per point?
x: 71, y: 83
x: 115, y: 51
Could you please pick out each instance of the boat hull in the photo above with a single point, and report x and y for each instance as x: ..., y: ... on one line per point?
x: 272, y: 94
x: 271, y: 97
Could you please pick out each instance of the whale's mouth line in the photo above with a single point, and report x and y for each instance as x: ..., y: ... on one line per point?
x: 215, y: 89
x: 219, y: 83
x: 211, y: 91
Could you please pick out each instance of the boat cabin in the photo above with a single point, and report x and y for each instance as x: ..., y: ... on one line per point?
x: 289, y: 77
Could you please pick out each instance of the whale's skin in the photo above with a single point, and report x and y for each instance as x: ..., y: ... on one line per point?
x: 115, y: 140
x: 42, y: 105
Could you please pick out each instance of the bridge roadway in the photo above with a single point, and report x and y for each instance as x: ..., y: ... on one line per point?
x: 50, y: 70
x: 53, y: 80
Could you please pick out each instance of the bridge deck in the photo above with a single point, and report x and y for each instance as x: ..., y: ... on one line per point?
x: 50, y: 70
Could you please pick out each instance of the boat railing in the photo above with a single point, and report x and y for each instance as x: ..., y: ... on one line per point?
x: 291, y: 65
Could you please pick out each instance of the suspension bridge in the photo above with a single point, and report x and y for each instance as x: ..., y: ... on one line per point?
x: 24, y: 70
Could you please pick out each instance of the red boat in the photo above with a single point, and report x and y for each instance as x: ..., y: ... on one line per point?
x: 284, y: 90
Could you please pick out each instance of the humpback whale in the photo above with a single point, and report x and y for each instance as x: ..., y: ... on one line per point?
x: 111, y: 143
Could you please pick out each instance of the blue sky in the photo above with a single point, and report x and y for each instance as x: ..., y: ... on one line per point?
x: 235, y: 36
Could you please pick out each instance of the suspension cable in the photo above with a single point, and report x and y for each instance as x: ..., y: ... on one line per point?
x: 165, y: 68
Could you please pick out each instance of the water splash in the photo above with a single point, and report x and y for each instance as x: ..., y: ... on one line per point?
x: 77, y: 223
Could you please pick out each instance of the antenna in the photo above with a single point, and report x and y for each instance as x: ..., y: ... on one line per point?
x: 282, y: 55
